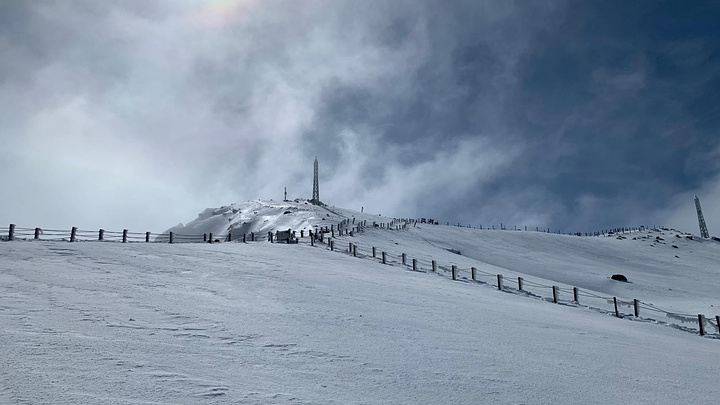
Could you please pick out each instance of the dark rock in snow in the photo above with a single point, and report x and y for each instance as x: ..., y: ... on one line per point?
x: 675, y: 246
x: 619, y: 277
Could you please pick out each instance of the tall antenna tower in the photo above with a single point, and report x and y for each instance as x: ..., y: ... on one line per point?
x: 316, y: 186
x: 701, y: 220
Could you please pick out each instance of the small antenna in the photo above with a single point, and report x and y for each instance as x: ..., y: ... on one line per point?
x: 285, y: 194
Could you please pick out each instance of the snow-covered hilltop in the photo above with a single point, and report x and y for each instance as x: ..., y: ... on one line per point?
x: 260, y: 217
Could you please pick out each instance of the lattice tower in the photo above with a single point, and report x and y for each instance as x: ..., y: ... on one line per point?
x: 701, y: 220
x: 316, y: 186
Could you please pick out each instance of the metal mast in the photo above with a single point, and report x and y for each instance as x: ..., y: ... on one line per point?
x: 701, y: 220
x: 316, y: 187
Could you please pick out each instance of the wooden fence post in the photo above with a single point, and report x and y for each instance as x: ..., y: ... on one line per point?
x: 312, y: 241
x: 37, y: 233
x: 520, y: 283
x: 383, y: 257
x: 204, y: 237
x: 500, y: 282
x: 147, y: 236
x: 636, y: 307
x: 354, y: 250
x: 229, y: 237
x: 244, y: 238
x: 702, y: 327
x: 414, y: 264
x: 717, y: 322
x: 373, y: 250
x: 403, y: 258
x: 171, y: 237
x: 124, y: 240
x: 332, y: 245
x: 453, y: 272
x: 575, y: 295
x: 11, y: 232
x: 211, y: 238
x: 350, y: 247
x: 617, y: 313
x: 252, y: 236
x: 555, y: 298
x: 73, y: 231
x: 434, y: 265
x: 472, y: 273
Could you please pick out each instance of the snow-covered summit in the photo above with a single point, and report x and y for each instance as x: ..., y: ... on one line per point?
x: 260, y: 217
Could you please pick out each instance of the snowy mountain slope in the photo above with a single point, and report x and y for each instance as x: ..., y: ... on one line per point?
x: 263, y: 323
x: 683, y: 279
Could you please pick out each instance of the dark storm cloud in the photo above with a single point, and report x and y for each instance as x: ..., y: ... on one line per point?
x: 614, y: 105
x: 614, y: 88
x: 569, y: 115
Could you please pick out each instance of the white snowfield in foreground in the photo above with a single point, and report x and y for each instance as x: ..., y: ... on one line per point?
x: 111, y: 323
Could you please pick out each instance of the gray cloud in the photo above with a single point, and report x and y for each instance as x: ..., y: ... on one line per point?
x: 564, y: 115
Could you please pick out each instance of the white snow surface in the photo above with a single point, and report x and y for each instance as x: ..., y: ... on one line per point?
x: 260, y: 217
x: 262, y: 323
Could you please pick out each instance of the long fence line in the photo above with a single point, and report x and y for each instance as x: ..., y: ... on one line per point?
x: 503, y: 227
x: 328, y: 235
x: 75, y: 234
x: 551, y: 293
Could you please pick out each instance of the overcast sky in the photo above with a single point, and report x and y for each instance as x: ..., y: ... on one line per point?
x: 572, y: 115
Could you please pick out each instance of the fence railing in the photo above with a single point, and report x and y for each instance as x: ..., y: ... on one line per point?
x: 75, y: 234
x: 503, y: 227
